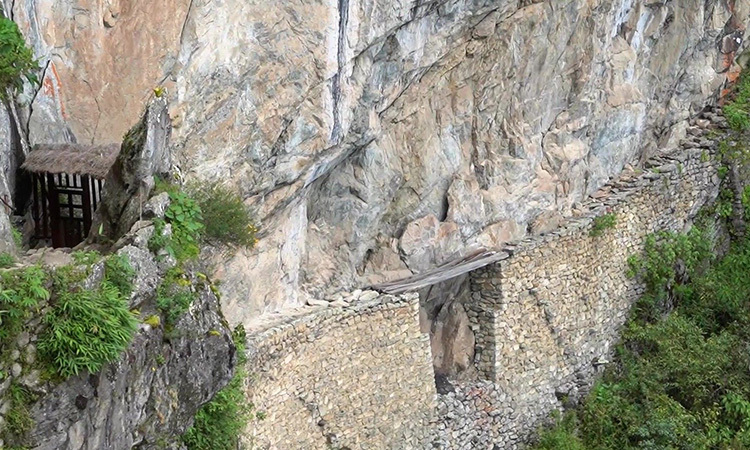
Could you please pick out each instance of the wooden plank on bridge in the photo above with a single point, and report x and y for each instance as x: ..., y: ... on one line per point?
x: 445, y: 272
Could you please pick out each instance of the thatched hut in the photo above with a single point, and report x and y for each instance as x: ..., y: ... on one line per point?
x: 67, y: 180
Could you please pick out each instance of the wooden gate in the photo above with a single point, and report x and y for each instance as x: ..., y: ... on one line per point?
x: 63, y: 207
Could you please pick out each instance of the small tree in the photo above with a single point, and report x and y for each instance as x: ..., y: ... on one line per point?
x: 16, y: 59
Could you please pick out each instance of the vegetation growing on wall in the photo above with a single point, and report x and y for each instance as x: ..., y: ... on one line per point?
x: 87, y: 328
x: 211, y: 213
x: 83, y: 327
x: 602, y: 223
x: 174, y: 295
x: 735, y: 156
x: 227, y: 220
x: 21, y: 292
x: 218, y: 423
x: 680, y: 380
x: 16, y: 59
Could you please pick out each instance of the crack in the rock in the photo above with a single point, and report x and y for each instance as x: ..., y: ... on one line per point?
x: 36, y: 93
x: 341, y: 62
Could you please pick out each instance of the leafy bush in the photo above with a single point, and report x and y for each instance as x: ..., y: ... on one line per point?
x: 562, y: 436
x: 85, y: 258
x: 187, y: 224
x: 602, y: 223
x: 18, y: 419
x: 226, y: 218
x: 737, y: 111
x: 680, y: 382
x: 185, y: 216
x: 20, y: 293
x: 119, y: 273
x: 16, y: 59
x: 6, y: 260
x: 668, y: 261
x: 218, y: 423
x: 87, y: 328
x: 17, y: 237
x: 174, y: 295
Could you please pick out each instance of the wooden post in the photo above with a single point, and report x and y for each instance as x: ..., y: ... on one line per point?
x: 86, y: 205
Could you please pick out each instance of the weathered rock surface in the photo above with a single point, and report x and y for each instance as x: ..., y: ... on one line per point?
x: 146, y: 399
x: 143, y: 155
x: 358, y: 128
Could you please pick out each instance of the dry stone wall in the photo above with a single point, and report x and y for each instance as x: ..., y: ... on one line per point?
x: 547, y: 316
x: 545, y: 319
x: 359, y: 377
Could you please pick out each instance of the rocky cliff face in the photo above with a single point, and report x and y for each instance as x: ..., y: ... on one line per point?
x: 147, y: 398
x: 379, y: 138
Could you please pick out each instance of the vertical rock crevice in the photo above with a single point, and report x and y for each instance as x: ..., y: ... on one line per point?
x: 336, y: 131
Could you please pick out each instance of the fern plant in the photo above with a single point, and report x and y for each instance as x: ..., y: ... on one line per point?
x: 87, y: 328
x: 21, y: 291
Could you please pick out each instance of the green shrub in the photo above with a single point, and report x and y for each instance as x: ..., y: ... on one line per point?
x: 18, y: 419
x: 87, y: 328
x: 16, y: 59
x: 679, y: 382
x: 562, y: 436
x: 218, y: 423
x: 663, y: 253
x: 737, y: 111
x: 6, y: 260
x: 185, y: 217
x: 119, y: 273
x: 17, y: 237
x: 602, y: 223
x: 226, y: 218
x: 85, y: 258
x: 159, y: 240
x: 174, y: 295
x: 187, y: 223
x: 21, y: 291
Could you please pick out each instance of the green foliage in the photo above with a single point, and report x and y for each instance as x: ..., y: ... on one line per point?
x: 86, y: 258
x: 563, y: 436
x: 737, y: 112
x: 17, y: 237
x: 227, y: 220
x: 119, y: 273
x: 664, y: 253
x: 16, y: 59
x: 184, y: 215
x: 680, y: 382
x: 602, y: 223
x: 18, y: 419
x: 218, y: 423
x: 159, y: 240
x: 87, y: 328
x: 174, y: 295
x: 20, y: 293
x: 6, y: 260
x: 187, y: 223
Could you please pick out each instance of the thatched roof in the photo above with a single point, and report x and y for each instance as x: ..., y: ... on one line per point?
x: 94, y: 160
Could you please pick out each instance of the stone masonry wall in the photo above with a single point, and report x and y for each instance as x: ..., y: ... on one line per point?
x: 547, y: 316
x: 358, y: 377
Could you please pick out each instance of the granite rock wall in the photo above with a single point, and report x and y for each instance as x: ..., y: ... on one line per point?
x: 377, y: 138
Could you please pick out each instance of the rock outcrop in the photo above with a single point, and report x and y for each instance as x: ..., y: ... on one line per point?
x: 144, y: 400
x: 144, y: 154
x: 376, y: 137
